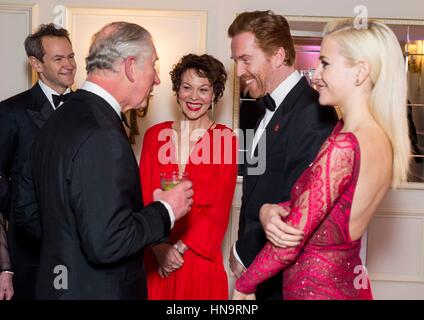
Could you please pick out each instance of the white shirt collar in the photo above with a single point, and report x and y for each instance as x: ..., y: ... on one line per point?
x: 279, y: 94
x: 49, y: 92
x: 283, y: 89
x: 98, y: 90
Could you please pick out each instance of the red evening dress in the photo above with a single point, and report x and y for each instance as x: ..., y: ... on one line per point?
x: 212, y: 168
x: 326, y: 265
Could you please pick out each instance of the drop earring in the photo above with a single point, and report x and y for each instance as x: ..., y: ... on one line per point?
x: 213, y: 108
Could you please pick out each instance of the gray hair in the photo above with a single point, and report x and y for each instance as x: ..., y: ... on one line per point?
x: 118, y: 40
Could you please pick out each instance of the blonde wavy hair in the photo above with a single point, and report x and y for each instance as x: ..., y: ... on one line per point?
x: 377, y: 44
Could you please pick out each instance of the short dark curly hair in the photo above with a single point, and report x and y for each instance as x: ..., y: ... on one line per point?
x: 33, y: 44
x: 206, y: 66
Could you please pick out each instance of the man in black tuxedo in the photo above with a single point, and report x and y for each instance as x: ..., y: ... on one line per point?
x: 249, y: 115
x: 286, y: 139
x: 50, y: 54
x: 83, y: 173
x: 6, y: 285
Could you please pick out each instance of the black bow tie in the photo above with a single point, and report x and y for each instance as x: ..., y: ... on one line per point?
x: 57, y: 99
x: 267, y: 102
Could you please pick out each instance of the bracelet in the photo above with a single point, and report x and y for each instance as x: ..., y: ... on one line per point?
x: 178, y: 249
x: 7, y: 271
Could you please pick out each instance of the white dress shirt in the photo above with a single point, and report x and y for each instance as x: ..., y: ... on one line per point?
x: 279, y: 94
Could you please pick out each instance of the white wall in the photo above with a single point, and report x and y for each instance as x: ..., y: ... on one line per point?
x: 13, y: 60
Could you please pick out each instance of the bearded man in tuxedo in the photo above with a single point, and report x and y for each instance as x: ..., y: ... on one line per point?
x: 287, y: 137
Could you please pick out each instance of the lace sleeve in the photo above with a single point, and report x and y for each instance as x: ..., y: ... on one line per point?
x: 312, y: 198
x: 4, y: 252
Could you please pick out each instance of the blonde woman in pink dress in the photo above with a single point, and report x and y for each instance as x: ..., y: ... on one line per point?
x: 362, y: 71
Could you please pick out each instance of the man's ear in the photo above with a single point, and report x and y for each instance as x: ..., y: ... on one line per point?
x: 35, y: 63
x: 279, y: 57
x: 130, y: 66
x: 363, y: 72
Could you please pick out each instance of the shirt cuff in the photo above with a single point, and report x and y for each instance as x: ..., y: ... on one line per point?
x: 7, y: 271
x: 170, y: 212
x: 237, y: 256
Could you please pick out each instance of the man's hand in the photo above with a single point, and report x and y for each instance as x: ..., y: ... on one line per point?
x: 279, y: 233
x: 6, y: 286
x: 180, y: 198
x: 235, y: 266
x: 237, y: 295
x: 168, y: 259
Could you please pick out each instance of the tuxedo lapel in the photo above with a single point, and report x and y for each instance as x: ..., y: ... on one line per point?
x: 40, y: 109
x: 249, y: 143
x: 250, y: 181
x: 276, y: 124
x: 273, y: 130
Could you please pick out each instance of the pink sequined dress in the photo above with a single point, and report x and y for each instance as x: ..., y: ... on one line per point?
x: 326, y: 265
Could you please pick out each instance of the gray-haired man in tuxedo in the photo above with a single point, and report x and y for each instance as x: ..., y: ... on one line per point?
x: 90, y: 211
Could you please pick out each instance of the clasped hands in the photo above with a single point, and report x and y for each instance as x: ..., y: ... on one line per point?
x: 279, y: 233
x: 169, y: 258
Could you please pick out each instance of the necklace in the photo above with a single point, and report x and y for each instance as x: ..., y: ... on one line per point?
x: 210, y: 127
x: 179, y: 128
x: 184, y: 143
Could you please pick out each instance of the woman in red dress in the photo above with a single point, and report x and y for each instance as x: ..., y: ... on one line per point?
x: 189, y: 265
x: 362, y: 71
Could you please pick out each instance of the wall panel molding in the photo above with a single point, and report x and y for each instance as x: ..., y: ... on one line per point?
x: 17, y: 19
x: 396, y: 246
